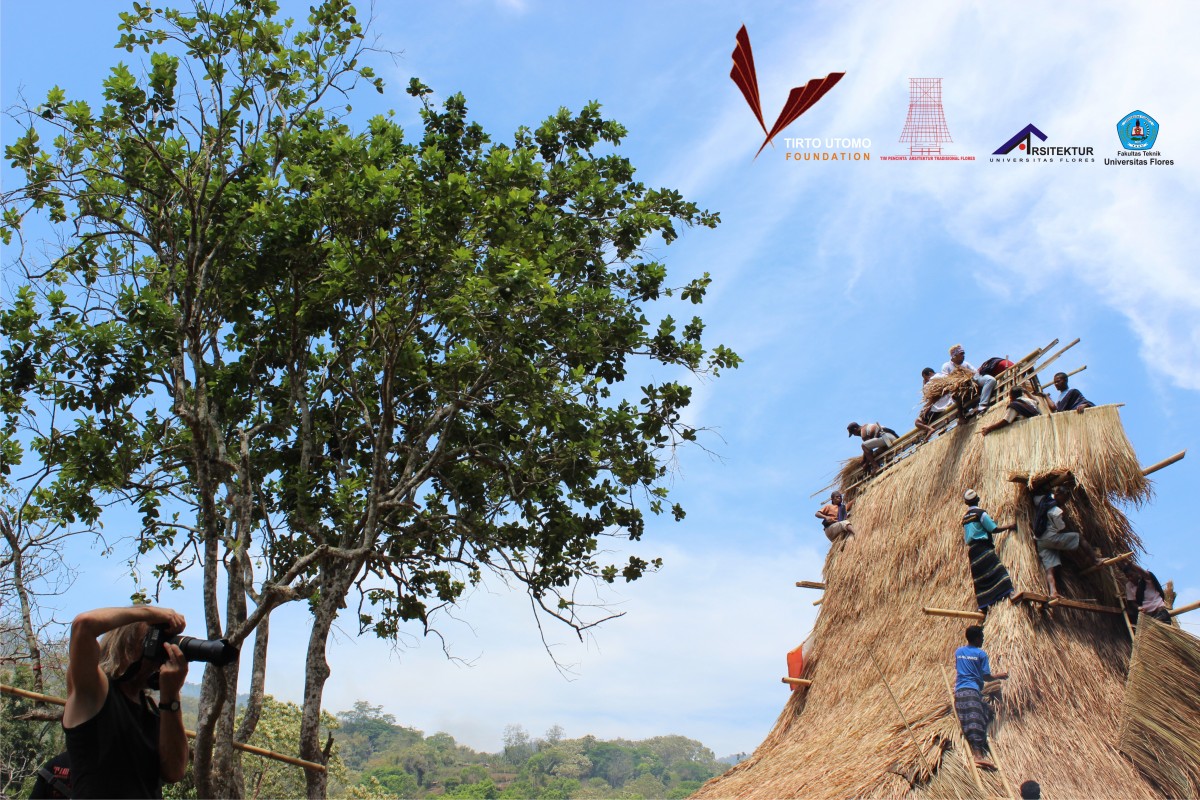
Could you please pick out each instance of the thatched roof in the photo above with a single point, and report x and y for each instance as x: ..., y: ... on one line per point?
x: 845, y: 736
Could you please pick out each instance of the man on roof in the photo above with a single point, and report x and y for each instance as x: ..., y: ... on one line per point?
x: 834, y: 518
x: 1068, y: 399
x: 876, y: 440
x: 1020, y: 406
x: 992, y: 583
x: 924, y: 422
x: 1144, y: 594
x: 1053, y: 539
x: 973, y: 669
x: 986, y: 383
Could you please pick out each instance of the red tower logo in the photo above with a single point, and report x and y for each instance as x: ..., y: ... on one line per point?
x: 925, y: 129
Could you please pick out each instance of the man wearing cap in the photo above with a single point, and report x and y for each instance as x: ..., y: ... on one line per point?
x: 876, y: 440
x: 991, y: 580
x: 986, y: 383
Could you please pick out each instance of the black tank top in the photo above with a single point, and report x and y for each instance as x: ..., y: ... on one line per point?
x: 115, y: 753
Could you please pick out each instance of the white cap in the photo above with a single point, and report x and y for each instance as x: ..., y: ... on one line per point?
x: 969, y: 496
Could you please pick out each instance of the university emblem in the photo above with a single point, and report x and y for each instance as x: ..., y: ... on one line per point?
x: 1137, y: 131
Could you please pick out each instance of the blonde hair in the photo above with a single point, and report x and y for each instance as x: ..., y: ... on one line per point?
x: 121, y: 647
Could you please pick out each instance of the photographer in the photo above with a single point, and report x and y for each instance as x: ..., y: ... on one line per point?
x: 119, y: 745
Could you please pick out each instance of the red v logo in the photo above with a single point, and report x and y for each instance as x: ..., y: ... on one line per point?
x: 800, y: 99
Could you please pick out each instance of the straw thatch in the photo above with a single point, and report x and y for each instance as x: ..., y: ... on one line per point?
x: 845, y: 736
x: 959, y: 384
x: 1160, y: 725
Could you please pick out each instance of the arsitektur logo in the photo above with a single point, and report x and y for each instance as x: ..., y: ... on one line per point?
x: 1021, y: 148
x: 1137, y: 131
x: 800, y: 99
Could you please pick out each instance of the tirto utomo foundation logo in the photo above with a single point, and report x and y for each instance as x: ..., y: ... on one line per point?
x: 799, y: 100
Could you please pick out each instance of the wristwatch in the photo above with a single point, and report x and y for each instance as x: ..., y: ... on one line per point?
x: 171, y: 706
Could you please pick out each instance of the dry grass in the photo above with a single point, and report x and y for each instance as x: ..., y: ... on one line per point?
x: 1160, y: 719
x: 844, y: 737
x: 960, y: 384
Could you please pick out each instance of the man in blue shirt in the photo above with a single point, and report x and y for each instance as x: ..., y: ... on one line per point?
x: 973, y: 668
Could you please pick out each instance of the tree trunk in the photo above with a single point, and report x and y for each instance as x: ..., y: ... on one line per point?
x: 18, y: 576
x: 316, y: 672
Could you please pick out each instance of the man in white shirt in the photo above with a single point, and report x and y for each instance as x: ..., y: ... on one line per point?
x: 986, y: 383
x: 924, y: 422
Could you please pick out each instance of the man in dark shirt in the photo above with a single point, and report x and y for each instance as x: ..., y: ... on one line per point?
x: 1068, y: 399
x: 119, y: 746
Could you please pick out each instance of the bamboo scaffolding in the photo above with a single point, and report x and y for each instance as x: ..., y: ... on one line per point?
x: 911, y: 441
x: 1038, y: 369
x: 246, y: 748
x: 1166, y: 462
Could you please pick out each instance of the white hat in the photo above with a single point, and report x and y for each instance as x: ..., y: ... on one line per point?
x: 969, y: 496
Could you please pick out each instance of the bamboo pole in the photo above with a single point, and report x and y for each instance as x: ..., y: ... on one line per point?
x: 1068, y: 603
x: 810, y: 585
x: 246, y: 748
x: 961, y: 739
x: 950, y: 612
x: 900, y: 711
x: 817, y: 602
x: 1166, y: 462
x: 1037, y: 370
x: 1184, y: 609
x: 797, y: 681
x: 1108, y: 562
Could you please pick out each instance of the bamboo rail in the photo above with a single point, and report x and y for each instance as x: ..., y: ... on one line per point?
x: 1108, y: 562
x: 810, y: 585
x: 1166, y: 462
x: 950, y: 612
x: 1184, y: 609
x: 246, y: 748
x: 797, y: 681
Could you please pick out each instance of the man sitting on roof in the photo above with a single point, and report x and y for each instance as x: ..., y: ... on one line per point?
x: 833, y: 517
x: 986, y: 383
x: 924, y: 422
x: 973, y: 668
x: 1068, y: 399
x: 988, y: 573
x: 876, y: 440
x: 1019, y: 407
x: 1144, y: 593
x: 1049, y: 529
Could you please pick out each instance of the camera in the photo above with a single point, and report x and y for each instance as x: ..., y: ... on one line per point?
x: 214, y: 651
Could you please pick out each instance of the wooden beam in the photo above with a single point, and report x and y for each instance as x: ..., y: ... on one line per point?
x: 1037, y: 370
x: 1030, y: 597
x: 810, y: 585
x: 797, y: 681
x: 1108, y: 562
x: 1184, y: 609
x: 246, y: 748
x: 1068, y: 603
x: 1166, y: 462
x: 950, y: 612
x: 818, y: 601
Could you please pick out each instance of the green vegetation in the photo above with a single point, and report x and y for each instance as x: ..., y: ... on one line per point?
x: 388, y: 760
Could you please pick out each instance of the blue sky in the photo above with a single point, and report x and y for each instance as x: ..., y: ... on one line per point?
x: 836, y: 282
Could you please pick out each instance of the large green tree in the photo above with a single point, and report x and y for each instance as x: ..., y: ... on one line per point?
x: 344, y: 365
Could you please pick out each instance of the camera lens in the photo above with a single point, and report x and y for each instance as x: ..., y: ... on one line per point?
x: 214, y: 651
